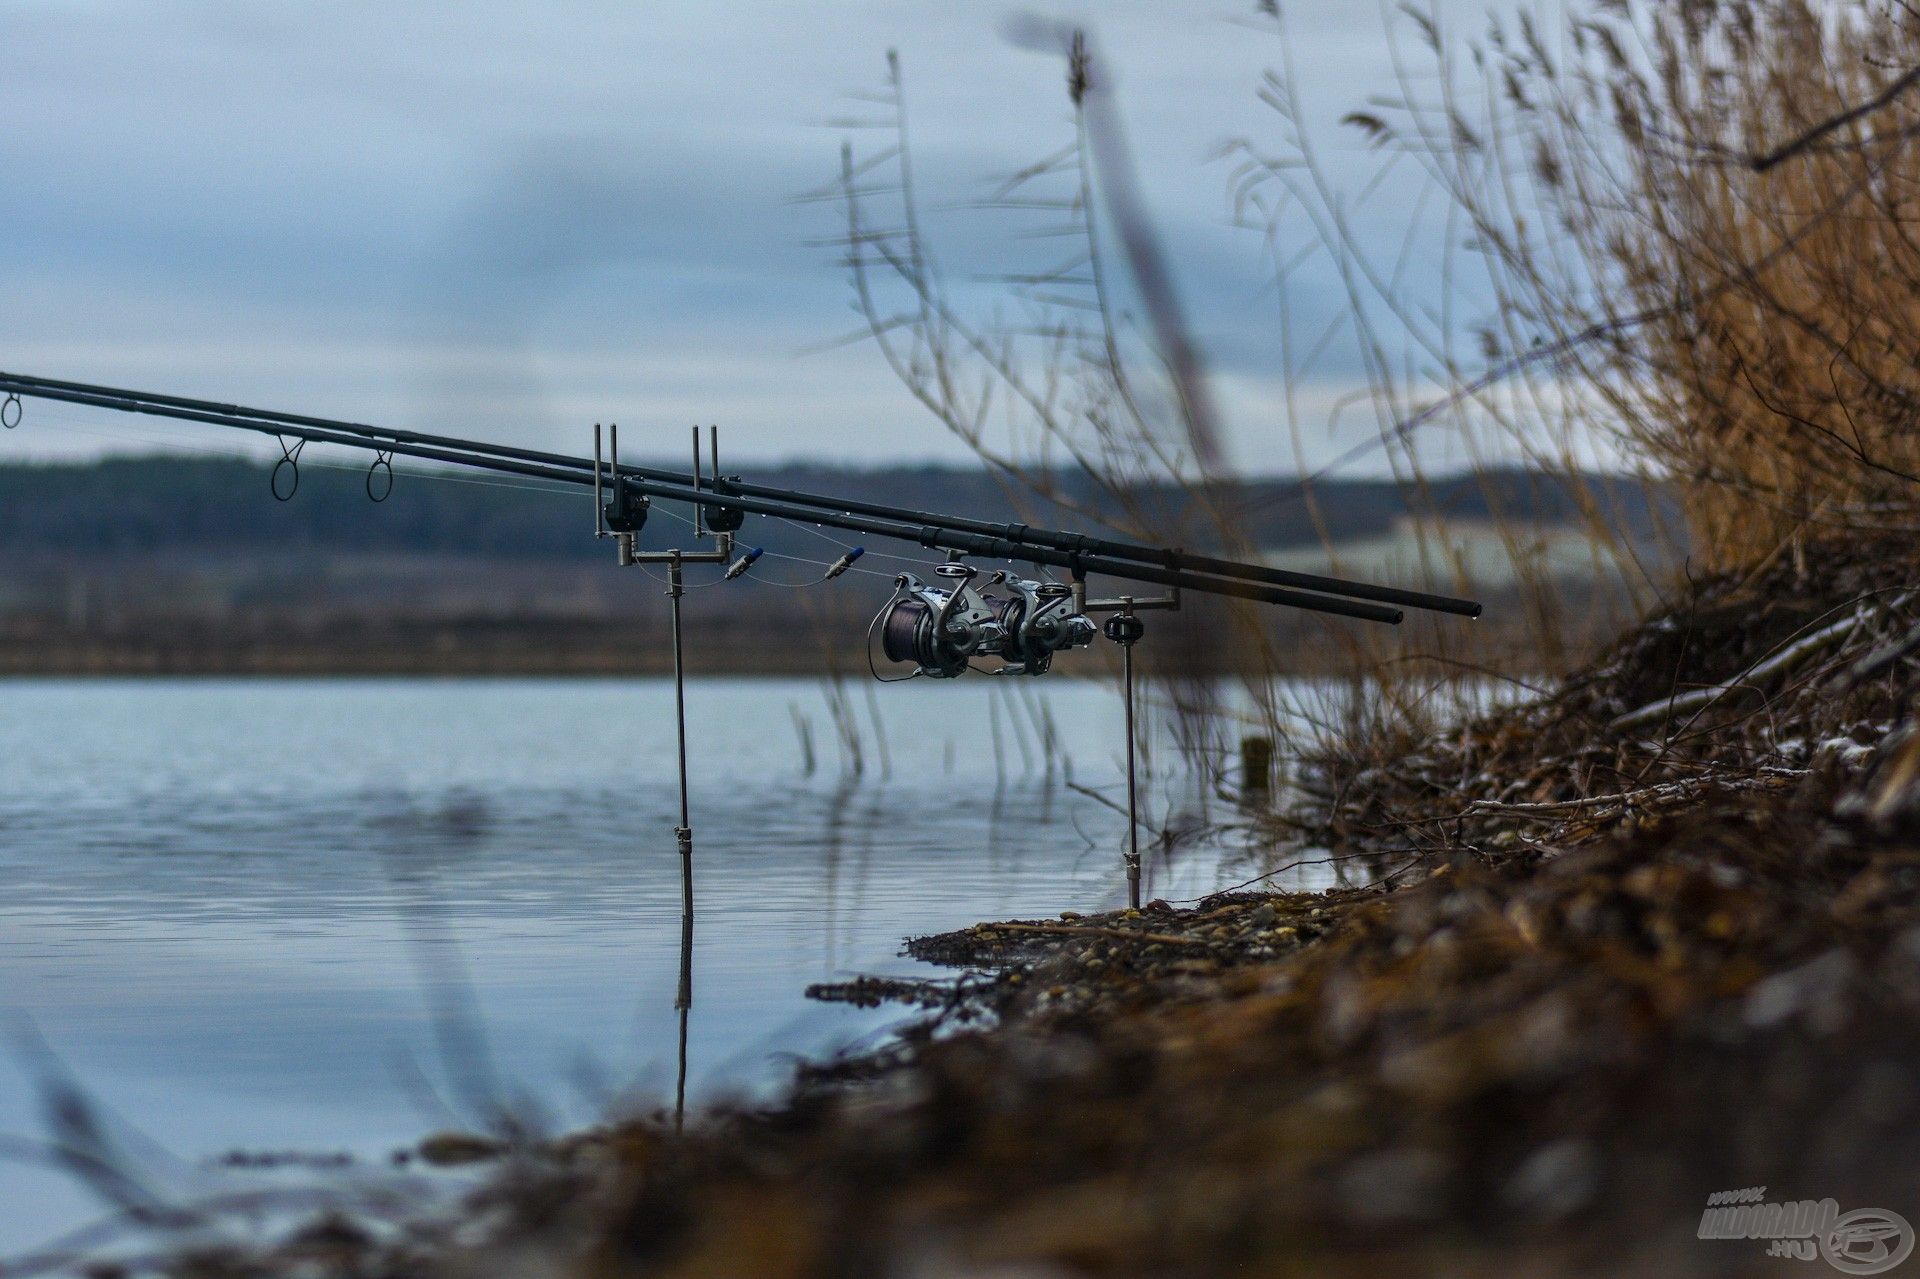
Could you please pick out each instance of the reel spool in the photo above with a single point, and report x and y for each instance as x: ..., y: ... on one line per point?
x: 939, y: 631
x: 908, y: 635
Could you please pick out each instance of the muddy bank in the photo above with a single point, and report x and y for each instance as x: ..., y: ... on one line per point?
x: 1649, y: 937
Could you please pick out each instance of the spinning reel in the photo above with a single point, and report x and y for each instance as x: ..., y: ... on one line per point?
x: 942, y: 631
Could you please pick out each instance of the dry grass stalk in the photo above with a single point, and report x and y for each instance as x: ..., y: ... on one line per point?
x: 1665, y: 283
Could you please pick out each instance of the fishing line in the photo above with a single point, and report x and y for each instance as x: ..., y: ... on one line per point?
x: 685, y: 585
x: 865, y: 572
x: 802, y: 559
x: 873, y: 626
x: 681, y: 519
x: 848, y: 546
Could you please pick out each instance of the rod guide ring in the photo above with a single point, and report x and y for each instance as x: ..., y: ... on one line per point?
x: 382, y: 469
x: 290, y: 463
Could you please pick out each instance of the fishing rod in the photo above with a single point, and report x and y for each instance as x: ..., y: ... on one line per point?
x: 718, y: 489
x: 565, y: 469
x: 941, y: 628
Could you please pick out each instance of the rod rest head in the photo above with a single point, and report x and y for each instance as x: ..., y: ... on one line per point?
x: 724, y: 519
x: 626, y: 513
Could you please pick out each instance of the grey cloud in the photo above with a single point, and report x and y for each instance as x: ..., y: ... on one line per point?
x: 523, y: 211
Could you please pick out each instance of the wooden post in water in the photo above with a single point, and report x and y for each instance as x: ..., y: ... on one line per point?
x: 1256, y: 767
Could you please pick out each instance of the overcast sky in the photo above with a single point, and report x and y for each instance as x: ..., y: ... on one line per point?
x: 516, y: 219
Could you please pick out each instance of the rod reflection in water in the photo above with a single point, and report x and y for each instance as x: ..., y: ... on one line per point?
x: 683, y: 1003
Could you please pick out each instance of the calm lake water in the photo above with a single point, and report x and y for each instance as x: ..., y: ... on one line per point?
x: 229, y: 905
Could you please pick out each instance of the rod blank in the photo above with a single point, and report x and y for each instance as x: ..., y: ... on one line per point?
x: 1019, y: 542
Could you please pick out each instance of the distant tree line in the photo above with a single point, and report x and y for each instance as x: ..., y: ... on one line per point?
x: 122, y: 505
